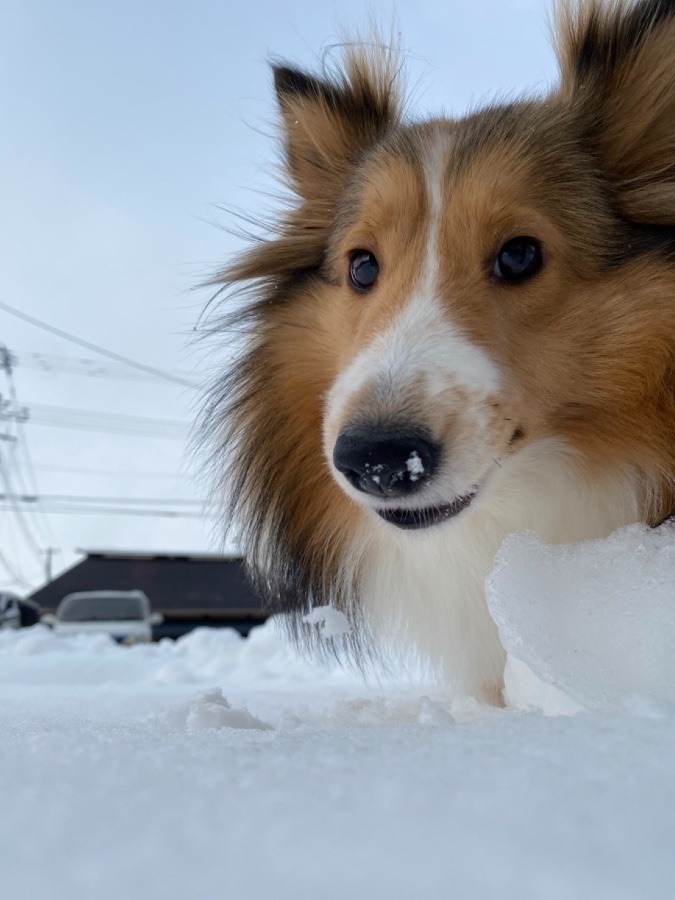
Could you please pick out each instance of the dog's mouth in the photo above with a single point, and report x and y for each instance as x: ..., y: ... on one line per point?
x: 427, y: 516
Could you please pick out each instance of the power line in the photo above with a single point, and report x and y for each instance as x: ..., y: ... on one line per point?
x: 86, y: 498
x: 91, y: 420
x: 96, y: 348
x: 118, y: 511
x: 22, y: 496
x: 80, y: 366
x: 105, y: 473
x: 16, y: 576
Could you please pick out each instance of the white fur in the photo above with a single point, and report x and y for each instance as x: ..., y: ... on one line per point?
x: 423, y: 591
x: 420, y: 343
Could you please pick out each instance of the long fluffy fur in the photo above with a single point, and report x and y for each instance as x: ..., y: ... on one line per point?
x: 606, y: 135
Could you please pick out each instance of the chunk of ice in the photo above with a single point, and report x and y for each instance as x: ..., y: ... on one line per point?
x: 331, y: 622
x: 595, y: 619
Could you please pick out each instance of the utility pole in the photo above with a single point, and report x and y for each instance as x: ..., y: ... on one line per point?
x: 9, y: 410
x: 49, y: 553
x: 4, y: 366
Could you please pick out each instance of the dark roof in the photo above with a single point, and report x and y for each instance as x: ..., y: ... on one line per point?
x: 154, y: 554
x: 176, y: 584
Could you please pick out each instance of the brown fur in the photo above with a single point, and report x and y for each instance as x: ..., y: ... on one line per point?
x: 589, y: 343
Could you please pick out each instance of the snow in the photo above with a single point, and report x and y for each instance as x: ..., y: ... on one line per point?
x: 415, y: 466
x: 331, y: 622
x: 222, y: 767
x: 212, y: 710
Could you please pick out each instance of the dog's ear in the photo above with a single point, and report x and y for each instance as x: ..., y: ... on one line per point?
x: 617, y: 61
x: 329, y: 123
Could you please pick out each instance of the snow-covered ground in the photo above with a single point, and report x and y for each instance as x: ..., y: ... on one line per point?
x: 229, y: 769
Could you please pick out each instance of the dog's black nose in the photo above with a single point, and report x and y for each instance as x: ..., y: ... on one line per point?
x: 383, y: 462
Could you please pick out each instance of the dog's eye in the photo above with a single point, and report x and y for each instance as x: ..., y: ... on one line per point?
x: 518, y: 259
x: 363, y: 269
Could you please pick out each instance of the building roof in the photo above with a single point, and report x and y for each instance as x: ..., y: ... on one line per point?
x: 178, y: 584
x: 156, y: 554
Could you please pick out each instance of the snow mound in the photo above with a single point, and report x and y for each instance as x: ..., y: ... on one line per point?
x: 203, y: 658
x: 40, y: 640
x: 212, y: 710
x: 331, y: 622
x: 391, y: 711
x: 222, y: 655
x: 36, y: 655
x: 595, y: 619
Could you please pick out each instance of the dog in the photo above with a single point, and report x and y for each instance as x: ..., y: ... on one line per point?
x: 459, y: 329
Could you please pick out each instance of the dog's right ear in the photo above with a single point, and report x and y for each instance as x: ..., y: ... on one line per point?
x: 328, y: 124
x: 618, y: 70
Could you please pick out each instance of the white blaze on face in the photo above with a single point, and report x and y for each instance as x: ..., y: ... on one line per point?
x: 421, y: 355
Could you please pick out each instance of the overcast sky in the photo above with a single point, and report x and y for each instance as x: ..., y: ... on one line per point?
x: 125, y: 127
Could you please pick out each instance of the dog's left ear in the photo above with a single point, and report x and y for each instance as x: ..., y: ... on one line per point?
x: 617, y: 62
x: 328, y: 123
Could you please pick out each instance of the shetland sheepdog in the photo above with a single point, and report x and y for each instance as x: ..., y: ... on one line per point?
x: 459, y: 329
